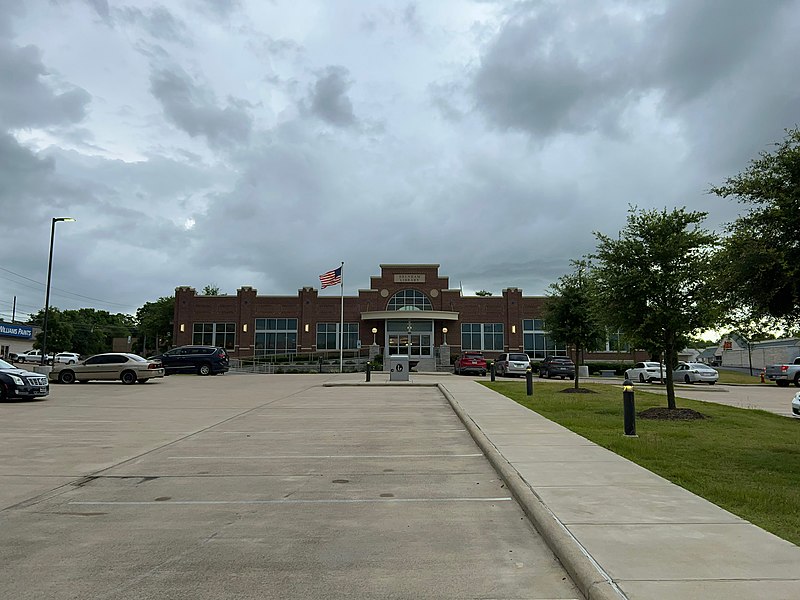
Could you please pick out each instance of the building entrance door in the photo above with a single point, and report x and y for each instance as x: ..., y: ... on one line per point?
x: 414, y: 338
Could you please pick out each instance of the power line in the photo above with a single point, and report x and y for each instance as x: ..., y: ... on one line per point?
x: 108, y: 302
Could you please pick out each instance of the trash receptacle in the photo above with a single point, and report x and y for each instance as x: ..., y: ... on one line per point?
x: 398, y: 367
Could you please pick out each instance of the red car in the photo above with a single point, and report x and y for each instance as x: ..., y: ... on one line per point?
x: 470, y: 362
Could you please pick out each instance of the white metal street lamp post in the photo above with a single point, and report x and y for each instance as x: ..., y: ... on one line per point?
x: 444, y: 336
x: 47, y: 293
x: 374, y: 332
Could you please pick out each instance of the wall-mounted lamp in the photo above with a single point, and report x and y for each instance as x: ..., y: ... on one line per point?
x: 306, y: 327
x: 374, y: 332
x: 513, y: 329
x: 244, y: 327
x: 183, y: 327
x: 444, y: 336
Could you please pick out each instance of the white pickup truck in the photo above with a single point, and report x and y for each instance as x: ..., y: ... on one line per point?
x: 32, y: 356
x: 783, y: 375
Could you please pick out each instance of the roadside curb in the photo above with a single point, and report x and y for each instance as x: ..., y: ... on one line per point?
x: 588, y: 575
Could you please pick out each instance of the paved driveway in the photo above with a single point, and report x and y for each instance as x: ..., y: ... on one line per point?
x: 248, y: 486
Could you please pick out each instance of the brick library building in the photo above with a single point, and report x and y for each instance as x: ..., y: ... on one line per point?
x: 407, y: 309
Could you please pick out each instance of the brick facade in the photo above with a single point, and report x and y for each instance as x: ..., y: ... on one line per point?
x: 450, y: 310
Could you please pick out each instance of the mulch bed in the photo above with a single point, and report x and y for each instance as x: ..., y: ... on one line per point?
x: 674, y: 414
x: 580, y: 390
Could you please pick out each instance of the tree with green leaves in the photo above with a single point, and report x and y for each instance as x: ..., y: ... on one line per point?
x: 154, y: 323
x: 86, y: 331
x: 758, y: 266
x: 653, y: 281
x: 483, y: 293
x: 211, y: 290
x: 570, y: 316
x: 59, y: 330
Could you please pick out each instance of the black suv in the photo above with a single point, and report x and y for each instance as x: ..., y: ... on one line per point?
x: 557, y: 366
x: 203, y: 360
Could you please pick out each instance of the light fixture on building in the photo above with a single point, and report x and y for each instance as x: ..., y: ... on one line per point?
x: 513, y: 329
x: 374, y: 332
x: 183, y: 327
x: 244, y: 327
x: 444, y: 336
x: 306, y: 327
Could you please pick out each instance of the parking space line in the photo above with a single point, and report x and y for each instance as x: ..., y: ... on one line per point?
x: 283, y: 501
x: 284, y: 457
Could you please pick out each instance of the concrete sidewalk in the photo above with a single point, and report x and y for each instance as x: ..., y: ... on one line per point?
x: 620, y: 530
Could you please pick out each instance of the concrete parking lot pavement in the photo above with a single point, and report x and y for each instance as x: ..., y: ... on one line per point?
x: 257, y: 486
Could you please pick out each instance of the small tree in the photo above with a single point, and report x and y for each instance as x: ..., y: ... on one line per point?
x: 570, y: 316
x: 154, y: 321
x: 483, y: 293
x: 211, y: 290
x: 653, y: 281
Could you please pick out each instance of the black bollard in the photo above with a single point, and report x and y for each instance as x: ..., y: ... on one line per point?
x: 629, y: 408
x: 491, y: 371
x: 529, y: 381
x: 368, y: 372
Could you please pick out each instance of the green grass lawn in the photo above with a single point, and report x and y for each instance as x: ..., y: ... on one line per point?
x: 746, y: 461
x: 737, y: 377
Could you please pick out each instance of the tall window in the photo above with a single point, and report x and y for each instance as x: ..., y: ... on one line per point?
x: 214, y: 334
x: 409, y: 300
x: 276, y: 336
x: 614, y: 342
x: 328, y: 336
x: 537, y: 343
x: 482, y: 336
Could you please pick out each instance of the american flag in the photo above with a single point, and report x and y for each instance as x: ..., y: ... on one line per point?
x: 331, y: 278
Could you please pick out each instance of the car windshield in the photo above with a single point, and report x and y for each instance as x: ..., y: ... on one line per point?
x: 5, y: 365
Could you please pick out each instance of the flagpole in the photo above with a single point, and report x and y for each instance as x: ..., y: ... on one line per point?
x: 341, y: 325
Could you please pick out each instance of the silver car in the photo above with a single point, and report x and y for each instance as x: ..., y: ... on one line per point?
x: 695, y: 373
x: 513, y: 363
x: 127, y: 368
x: 796, y: 404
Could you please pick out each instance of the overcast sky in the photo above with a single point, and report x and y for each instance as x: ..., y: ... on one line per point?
x: 257, y: 142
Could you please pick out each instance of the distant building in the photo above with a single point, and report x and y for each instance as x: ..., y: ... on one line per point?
x: 16, y: 338
x: 407, y: 309
x: 733, y: 352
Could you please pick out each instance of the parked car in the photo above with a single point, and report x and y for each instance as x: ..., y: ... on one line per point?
x: 783, y: 375
x: 470, y: 362
x: 694, y: 373
x: 512, y: 364
x: 33, y: 357
x: 68, y: 358
x: 19, y: 383
x: 796, y: 404
x: 203, y: 360
x: 646, y: 371
x: 557, y: 366
x: 128, y: 368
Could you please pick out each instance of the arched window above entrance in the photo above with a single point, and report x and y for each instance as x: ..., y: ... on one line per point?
x: 409, y: 300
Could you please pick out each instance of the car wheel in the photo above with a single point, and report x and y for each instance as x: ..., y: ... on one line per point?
x: 711, y: 382
x: 686, y: 379
x: 66, y: 377
x: 797, y: 380
x: 483, y: 373
x: 71, y: 362
x: 2, y: 392
x: 641, y: 378
x: 204, y: 369
x: 128, y: 377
